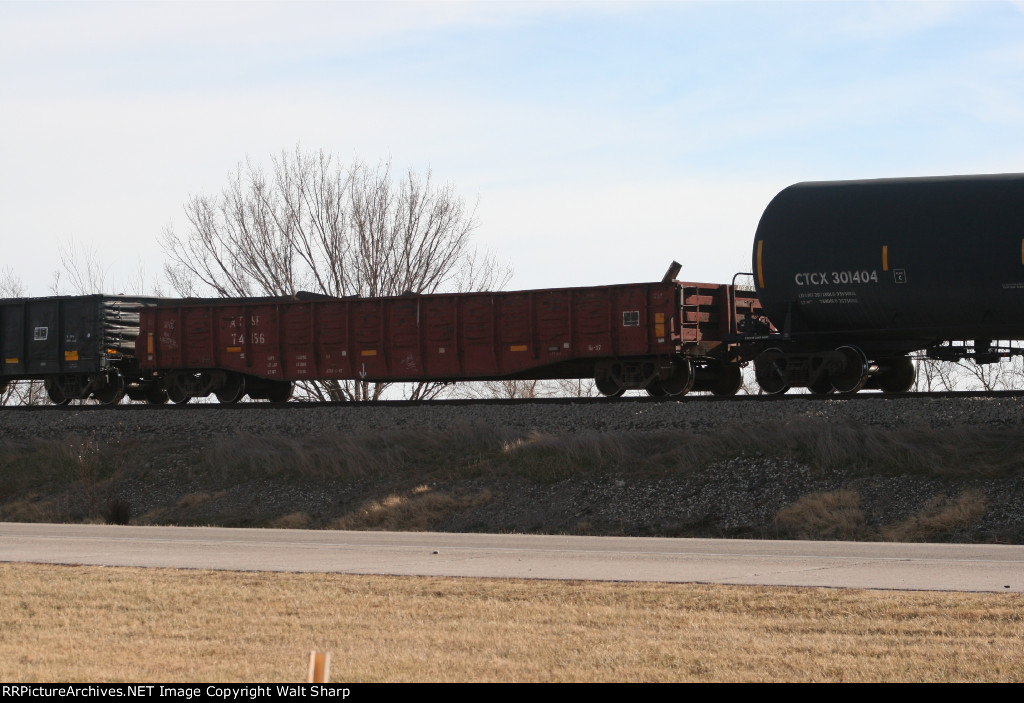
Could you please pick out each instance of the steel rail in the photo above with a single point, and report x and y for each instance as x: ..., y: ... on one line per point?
x: 454, y: 402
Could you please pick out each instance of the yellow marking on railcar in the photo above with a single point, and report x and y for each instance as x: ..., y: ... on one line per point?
x: 10, y: 360
x: 149, y: 343
x: 760, y: 269
x: 71, y: 356
x: 236, y: 350
x: 659, y: 324
x: 369, y: 352
x: 885, y: 257
x: 517, y: 347
x: 1022, y: 251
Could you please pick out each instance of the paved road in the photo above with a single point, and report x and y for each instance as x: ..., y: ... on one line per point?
x: 948, y: 567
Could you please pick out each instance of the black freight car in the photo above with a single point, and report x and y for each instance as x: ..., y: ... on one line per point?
x: 80, y: 347
x: 858, y: 274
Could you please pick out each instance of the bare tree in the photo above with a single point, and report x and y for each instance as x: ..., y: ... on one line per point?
x: 10, y: 285
x: 17, y: 392
x: 533, y: 388
x: 935, y: 375
x: 136, y: 282
x: 314, y: 224
x: 967, y: 374
x: 80, y: 272
x: 988, y: 377
x: 528, y: 388
x: 576, y: 388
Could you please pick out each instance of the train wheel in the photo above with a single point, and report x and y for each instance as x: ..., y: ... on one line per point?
x: 855, y: 372
x: 233, y: 389
x: 896, y: 375
x: 177, y: 397
x: 112, y: 390
x: 770, y: 371
x: 279, y: 391
x: 175, y: 393
x: 729, y: 381
x: 55, y: 393
x: 683, y: 378
x: 655, y: 389
x: 608, y: 386
x: 823, y: 386
x: 156, y: 395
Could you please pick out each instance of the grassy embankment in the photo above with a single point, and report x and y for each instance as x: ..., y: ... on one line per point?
x: 415, y: 480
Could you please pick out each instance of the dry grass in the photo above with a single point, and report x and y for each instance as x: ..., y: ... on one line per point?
x: 473, y: 449
x: 941, y: 517
x: 830, y: 515
x: 837, y: 515
x: 419, y: 509
x: 349, y: 455
x: 292, y: 521
x: 112, y: 624
x: 967, y: 452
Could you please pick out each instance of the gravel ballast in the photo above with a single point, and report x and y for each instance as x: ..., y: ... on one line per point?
x: 692, y: 415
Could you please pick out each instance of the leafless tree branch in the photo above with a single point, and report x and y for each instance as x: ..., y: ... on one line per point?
x: 313, y: 223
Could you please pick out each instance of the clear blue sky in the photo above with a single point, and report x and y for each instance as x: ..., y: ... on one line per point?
x: 602, y: 139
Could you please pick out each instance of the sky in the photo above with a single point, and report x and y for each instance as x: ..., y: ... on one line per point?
x: 598, y: 140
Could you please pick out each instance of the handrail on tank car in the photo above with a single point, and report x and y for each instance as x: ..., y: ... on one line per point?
x: 742, y: 273
x: 733, y: 321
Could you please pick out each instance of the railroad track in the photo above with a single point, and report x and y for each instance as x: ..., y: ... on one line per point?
x: 454, y: 402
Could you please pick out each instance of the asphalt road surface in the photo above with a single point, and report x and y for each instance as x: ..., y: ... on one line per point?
x: 947, y: 567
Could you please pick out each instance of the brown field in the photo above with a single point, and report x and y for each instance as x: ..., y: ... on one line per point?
x: 62, y: 623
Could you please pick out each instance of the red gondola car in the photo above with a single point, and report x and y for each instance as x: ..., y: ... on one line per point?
x: 666, y: 337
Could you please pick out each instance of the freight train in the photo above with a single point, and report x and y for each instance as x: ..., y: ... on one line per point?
x: 849, y: 279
